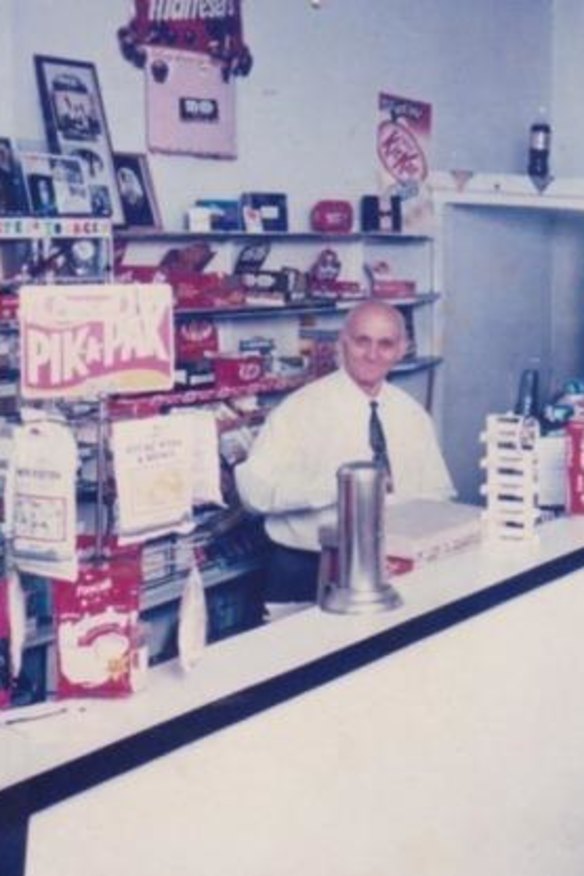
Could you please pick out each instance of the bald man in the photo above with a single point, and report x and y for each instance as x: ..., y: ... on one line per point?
x: 290, y: 473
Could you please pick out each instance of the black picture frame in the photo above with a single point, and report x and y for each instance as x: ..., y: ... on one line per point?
x: 56, y: 184
x: 13, y: 194
x: 137, y: 195
x: 59, y: 259
x: 75, y: 124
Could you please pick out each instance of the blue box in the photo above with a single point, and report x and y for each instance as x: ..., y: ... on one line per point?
x: 225, y: 214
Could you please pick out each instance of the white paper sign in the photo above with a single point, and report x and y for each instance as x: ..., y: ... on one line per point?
x: 42, y: 509
x: 153, y: 472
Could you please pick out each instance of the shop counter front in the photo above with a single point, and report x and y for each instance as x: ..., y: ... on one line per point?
x: 445, y: 737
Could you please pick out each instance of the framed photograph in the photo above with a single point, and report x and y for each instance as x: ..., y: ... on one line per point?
x: 137, y: 195
x: 56, y: 185
x: 76, y: 125
x: 13, y: 195
x: 81, y: 259
x: 58, y: 259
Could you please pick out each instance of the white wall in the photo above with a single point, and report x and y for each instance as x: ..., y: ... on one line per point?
x: 498, y: 282
x: 568, y: 87
x: 6, y: 68
x: 568, y: 160
x: 307, y: 111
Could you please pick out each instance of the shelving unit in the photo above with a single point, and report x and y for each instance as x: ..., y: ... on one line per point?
x: 230, y: 552
x: 410, y: 257
x: 506, y: 191
x: 418, y: 258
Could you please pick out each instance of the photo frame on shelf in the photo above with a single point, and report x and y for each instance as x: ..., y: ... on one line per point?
x: 137, y: 195
x: 76, y: 125
x: 58, y: 259
x: 13, y: 193
x: 81, y: 259
x: 55, y: 185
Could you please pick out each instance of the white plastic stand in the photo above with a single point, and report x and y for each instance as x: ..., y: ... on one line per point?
x: 511, y: 482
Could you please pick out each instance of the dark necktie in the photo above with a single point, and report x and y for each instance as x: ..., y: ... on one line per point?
x: 378, y: 443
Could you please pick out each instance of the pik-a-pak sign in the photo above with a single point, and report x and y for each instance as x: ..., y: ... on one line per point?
x: 84, y: 340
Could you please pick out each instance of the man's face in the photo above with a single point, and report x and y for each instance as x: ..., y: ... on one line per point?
x: 372, y: 342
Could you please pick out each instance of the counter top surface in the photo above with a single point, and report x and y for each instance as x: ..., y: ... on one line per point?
x: 254, y: 670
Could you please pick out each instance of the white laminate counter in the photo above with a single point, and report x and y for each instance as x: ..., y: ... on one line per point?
x: 311, y: 755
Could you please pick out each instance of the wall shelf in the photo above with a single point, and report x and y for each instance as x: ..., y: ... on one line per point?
x: 246, y: 237
x: 305, y: 309
x: 506, y: 190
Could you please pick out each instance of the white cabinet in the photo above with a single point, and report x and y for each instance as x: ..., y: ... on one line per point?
x: 511, y: 262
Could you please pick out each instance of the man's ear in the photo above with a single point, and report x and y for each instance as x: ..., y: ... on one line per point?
x: 402, y: 348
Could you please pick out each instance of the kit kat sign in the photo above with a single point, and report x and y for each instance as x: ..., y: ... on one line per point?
x: 84, y: 340
x: 402, y: 138
x: 403, y: 141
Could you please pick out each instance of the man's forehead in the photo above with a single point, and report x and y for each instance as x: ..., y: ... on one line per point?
x: 370, y: 324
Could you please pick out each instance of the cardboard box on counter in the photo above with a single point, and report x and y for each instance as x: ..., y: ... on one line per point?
x: 417, y: 531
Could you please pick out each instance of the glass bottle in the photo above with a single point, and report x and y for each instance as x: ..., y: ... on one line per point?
x: 540, y: 133
x: 527, y: 404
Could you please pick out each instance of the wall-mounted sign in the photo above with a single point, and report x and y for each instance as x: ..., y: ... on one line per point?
x: 192, y: 110
x: 209, y: 27
x: 190, y: 51
x: 403, y: 139
x: 83, y: 340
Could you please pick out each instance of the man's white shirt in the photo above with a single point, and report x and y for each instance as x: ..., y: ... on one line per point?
x: 290, y: 473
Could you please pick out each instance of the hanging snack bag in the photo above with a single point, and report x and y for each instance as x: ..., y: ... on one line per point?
x: 192, y: 621
x: 40, y: 507
x: 97, y: 629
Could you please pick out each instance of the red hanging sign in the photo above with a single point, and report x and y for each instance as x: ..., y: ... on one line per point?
x: 208, y: 27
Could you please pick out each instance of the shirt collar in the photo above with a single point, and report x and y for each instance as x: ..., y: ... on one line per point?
x: 357, y: 393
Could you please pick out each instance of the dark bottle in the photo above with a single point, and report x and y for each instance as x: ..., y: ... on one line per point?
x: 539, y: 150
x: 527, y: 404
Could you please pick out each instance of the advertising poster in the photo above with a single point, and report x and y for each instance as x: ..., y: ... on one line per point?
x: 85, y: 340
x: 403, y: 140
x: 192, y: 110
x: 191, y: 53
